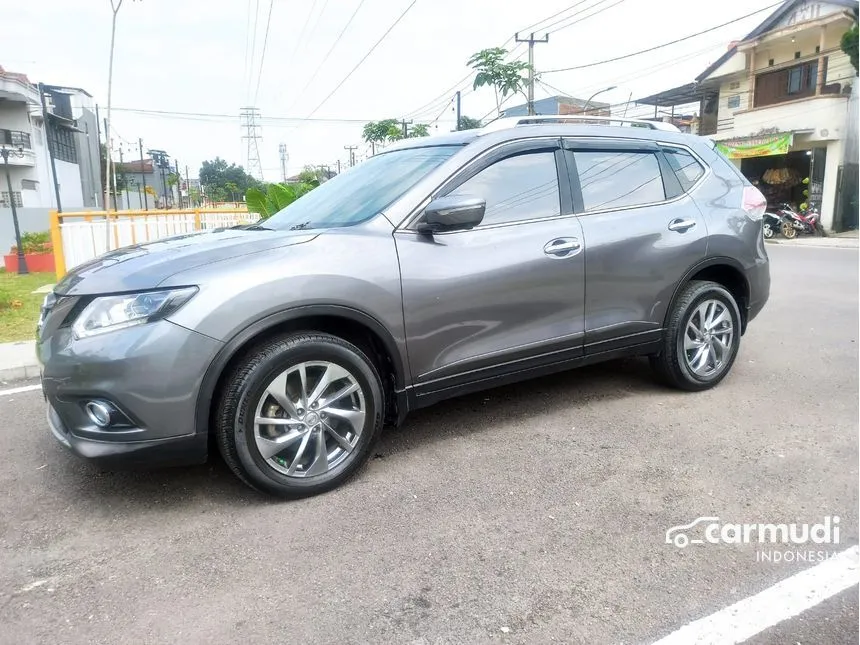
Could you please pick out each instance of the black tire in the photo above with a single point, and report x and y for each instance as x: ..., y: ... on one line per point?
x: 670, y: 364
x: 246, y: 384
x: 767, y: 231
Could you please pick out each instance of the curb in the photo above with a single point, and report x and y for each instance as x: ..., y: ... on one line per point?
x: 18, y: 361
x: 19, y: 373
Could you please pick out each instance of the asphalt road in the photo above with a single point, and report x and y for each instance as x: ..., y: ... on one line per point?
x: 530, y: 514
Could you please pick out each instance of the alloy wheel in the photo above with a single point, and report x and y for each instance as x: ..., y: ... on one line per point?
x: 708, y: 339
x: 309, y: 419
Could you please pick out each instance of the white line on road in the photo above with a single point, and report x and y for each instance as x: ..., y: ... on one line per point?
x: 18, y: 390
x: 784, y: 600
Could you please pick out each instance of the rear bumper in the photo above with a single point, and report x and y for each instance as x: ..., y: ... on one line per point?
x: 173, y: 451
x: 759, y: 284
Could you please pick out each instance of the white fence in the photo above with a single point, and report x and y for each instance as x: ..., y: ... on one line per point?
x: 79, y: 237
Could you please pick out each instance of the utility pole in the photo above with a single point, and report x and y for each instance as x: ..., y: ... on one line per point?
x: 127, y: 202
x: 351, y: 154
x: 457, y: 102
x: 251, y: 124
x: 531, y: 41
x: 47, y: 123
x: 143, y: 175
x: 188, y: 186
x: 338, y: 166
x: 282, y: 151
x: 178, y: 183
x: 406, y: 125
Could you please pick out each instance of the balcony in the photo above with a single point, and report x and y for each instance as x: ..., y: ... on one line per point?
x: 15, y: 139
x: 18, y: 140
x: 823, y: 116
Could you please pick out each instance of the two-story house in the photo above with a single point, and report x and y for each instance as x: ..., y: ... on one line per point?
x: 779, y: 104
x: 67, y: 128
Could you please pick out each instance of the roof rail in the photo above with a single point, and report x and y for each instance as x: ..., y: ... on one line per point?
x: 513, y: 121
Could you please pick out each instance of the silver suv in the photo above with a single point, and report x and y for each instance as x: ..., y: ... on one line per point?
x: 442, y: 266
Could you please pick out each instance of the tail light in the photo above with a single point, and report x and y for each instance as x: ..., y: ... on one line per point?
x: 754, y: 203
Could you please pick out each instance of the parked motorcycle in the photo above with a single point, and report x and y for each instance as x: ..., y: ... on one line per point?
x: 801, y: 222
x: 772, y: 225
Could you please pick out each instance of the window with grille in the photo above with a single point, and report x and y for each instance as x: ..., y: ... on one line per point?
x: 62, y: 144
x: 4, y: 200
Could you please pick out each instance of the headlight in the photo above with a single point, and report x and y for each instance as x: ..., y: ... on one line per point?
x: 109, y: 313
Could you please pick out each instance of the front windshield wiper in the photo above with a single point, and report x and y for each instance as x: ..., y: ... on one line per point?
x: 300, y: 227
x: 253, y: 227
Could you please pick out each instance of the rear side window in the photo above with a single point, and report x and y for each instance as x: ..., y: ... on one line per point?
x: 517, y: 188
x: 616, y: 179
x: 687, y: 168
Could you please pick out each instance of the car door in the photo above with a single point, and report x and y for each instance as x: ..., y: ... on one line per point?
x: 642, y: 232
x: 508, y: 294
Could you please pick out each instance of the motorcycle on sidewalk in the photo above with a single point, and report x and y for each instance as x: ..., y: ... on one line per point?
x: 775, y: 224
x: 806, y: 221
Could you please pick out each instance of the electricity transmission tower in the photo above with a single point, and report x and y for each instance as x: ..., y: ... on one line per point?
x: 282, y: 151
x: 251, y: 127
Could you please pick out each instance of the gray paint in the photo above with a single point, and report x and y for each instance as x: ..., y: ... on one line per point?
x: 455, y: 308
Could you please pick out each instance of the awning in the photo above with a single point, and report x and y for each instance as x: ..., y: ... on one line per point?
x: 758, y: 146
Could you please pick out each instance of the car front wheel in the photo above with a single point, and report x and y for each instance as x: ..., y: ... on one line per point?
x: 702, y: 337
x: 299, y: 414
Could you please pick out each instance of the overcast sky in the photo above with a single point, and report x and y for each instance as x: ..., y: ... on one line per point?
x: 194, y: 56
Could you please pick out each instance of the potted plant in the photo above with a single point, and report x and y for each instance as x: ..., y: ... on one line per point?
x: 38, y: 253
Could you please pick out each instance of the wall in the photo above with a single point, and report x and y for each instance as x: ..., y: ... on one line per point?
x: 69, y: 178
x: 31, y: 220
x: 13, y: 116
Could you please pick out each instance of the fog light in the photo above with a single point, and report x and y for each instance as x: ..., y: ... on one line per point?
x: 99, y: 413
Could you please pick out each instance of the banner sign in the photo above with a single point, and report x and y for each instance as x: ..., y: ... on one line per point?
x: 762, y: 146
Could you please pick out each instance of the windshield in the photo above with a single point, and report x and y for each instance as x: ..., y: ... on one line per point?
x: 364, y: 191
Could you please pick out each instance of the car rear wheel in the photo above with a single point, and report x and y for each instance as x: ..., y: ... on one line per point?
x: 299, y: 414
x: 702, y: 338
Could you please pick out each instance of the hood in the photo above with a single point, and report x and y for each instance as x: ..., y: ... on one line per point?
x: 145, y: 266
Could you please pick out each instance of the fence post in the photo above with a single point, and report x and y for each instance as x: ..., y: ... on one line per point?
x: 197, y: 223
x: 57, y: 244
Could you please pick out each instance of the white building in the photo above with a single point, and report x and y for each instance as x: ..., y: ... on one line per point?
x: 779, y: 104
x: 71, y: 133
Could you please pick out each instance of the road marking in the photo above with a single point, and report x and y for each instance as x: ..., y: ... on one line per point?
x: 784, y: 600
x: 18, y: 390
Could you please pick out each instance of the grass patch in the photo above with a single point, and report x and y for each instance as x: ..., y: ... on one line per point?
x: 19, y: 308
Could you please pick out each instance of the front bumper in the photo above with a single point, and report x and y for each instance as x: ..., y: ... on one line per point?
x: 149, y: 374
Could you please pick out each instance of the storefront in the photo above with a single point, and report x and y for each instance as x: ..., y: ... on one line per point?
x: 781, y: 167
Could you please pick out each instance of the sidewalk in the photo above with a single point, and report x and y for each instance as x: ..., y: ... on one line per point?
x: 847, y: 240
x: 18, y: 361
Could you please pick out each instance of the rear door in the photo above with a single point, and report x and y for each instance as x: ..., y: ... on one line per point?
x: 508, y: 294
x: 642, y: 232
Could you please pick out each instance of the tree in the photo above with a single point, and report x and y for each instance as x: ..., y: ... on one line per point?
x: 419, y: 130
x: 506, y: 78
x: 215, y: 176
x: 275, y: 197
x: 379, y: 132
x: 468, y: 123
x: 849, y: 44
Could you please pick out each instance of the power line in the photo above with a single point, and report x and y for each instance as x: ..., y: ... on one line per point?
x: 328, y: 53
x: 651, y: 49
x: 576, y: 13
x: 363, y: 58
x: 245, y: 69
x: 253, y: 46
x: 300, y: 37
x: 230, y: 117
x: 591, y: 15
x: 558, y: 13
x: 263, y: 55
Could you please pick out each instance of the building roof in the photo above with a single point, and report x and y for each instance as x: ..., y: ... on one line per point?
x: 769, y: 23
x: 135, y: 166
x: 689, y: 93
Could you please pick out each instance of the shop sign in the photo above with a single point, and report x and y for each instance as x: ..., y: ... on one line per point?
x: 761, y: 146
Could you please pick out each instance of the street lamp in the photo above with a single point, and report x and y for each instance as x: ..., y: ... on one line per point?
x: 588, y: 102
x: 6, y: 153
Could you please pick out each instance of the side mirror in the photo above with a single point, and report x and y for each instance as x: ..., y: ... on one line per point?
x: 452, y: 213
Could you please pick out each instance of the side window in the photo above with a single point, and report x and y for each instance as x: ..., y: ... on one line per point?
x: 687, y: 168
x: 616, y: 179
x: 516, y: 188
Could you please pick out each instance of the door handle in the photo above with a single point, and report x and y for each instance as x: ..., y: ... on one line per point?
x: 681, y: 225
x: 562, y: 247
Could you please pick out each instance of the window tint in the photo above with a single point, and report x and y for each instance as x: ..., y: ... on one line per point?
x: 516, y: 188
x: 686, y: 168
x: 616, y: 179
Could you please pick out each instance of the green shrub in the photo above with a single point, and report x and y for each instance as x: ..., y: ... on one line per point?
x: 5, y: 299
x: 34, y: 243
